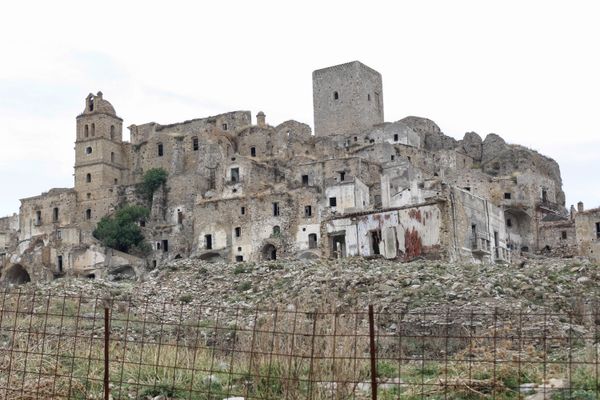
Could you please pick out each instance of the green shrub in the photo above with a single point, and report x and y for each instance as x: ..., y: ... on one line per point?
x: 121, y: 230
x: 152, y: 180
x: 186, y: 298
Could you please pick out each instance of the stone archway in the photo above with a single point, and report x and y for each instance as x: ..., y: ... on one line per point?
x: 269, y: 252
x: 16, y: 275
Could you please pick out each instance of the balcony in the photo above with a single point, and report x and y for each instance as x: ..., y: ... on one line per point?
x: 480, y: 246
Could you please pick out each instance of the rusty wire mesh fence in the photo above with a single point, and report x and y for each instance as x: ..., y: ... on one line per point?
x: 78, y: 347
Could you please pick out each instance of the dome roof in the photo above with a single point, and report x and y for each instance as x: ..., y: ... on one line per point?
x: 96, y: 104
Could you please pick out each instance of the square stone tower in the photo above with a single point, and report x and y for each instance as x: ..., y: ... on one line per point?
x: 347, y: 98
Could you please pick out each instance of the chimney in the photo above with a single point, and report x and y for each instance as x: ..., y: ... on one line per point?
x: 260, y: 119
x: 580, y: 206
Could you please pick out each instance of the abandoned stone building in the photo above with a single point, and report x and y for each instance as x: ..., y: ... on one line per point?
x: 239, y: 190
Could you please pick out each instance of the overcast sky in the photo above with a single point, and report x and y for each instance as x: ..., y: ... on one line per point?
x: 526, y: 70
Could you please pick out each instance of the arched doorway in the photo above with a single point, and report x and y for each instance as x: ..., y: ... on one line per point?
x: 269, y: 252
x: 16, y: 275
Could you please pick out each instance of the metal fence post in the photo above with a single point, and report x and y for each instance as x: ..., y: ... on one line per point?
x: 372, y: 351
x: 106, y: 344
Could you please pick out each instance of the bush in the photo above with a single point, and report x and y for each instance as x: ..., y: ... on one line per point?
x: 121, y: 231
x: 152, y: 180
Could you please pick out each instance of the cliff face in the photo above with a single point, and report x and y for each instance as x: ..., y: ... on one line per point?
x: 493, y: 154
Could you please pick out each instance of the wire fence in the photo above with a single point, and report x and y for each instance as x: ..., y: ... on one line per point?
x: 77, y: 347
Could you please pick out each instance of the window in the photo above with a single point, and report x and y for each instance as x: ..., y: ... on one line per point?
x: 88, y: 214
x: 375, y: 240
x: 239, y: 258
x: 252, y: 151
x: 368, y: 97
x: 87, y: 131
x: 336, y: 96
x: 142, y: 223
x: 392, y: 157
x: 38, y: 217
x: 598, y: 230
x: 224, y: 127
x: 243, y: 210
x: 544, y: 196
x: 212, y: 178
x: 59, y: 264
x: 112, y: 157
x: 467, y: 188
x: 160, y: 150
x: 238, y: 232
x: 332, y: 202
x: 275, y: 209
x: 195, y: 146
x: 312, y: 240
x: 342, y: 176
x: 179, y: 217
x: 308, y: 211
x: 88, y: 195
x: 304, y: 180
x: 395, y: 137
x: 208, y: 242
x: 165, y: 245
x: 276, y: 230
x: 59, y: 234
x: 563, y: 235
x: 55, y: 214
x: 509, y: 222
x: 112, y: 132
x: 88, y: 178
x: 93, y: 129
x: 91, y: 103
x: 157, y: 245
x: 88, y: 150
x: 235, y: 175
x: 507, y: 196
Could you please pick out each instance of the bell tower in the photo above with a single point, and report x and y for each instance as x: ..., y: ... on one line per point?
x: 99, y: 161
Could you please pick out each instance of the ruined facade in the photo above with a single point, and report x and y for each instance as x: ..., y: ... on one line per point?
x: 242, y: 191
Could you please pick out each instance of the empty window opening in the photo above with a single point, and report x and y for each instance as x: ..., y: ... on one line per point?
x: 368, y: 97
x: 312, y: 240
x: 59, y: 234
x: 88, y: 213
x: 116, y: 181
x: 91, y: 103
x: 392, y: 157
x: 153, y: 263
x: 544, y: 195
x: 38, y: 217
x: 112, y: 157
x: 239, y: 249
x: 305, y: 180
x: 332, y: 202
x: 195, y: 145
x: 276, y: 230
x: 93, y: 129
x: 308, y: 211
x: 338, y: 246
x: 342, y: 176
x: 507, y: 196
x: 269, y: 252
x: 252, y: 151
x: 239, y: 258
x: 160, y: 149
x: 88, y: 150
x: 598, y: 230
x: 375, y: 239
x: 158, y: 246
x: 212, y: 180
x: 208, y: 242
x: 235, y: 175
x: 509, y: 223
x: 87, y: 131
x: 238, y: 232
x: 88, y: 195
x: 142, y: 223
x: 55, y: 214
x: 395, y: 137
x: 336, y: 95
x: 225, y: 127
x: 467, y: 188
x: 59, y: 264
x: 408, y: 158
x: 496, y: 245
x: 179, y: 217
x: 355, y: 138
x: 473, y: 231
x: 243, y: 210
x: 275, y: 209
x: 563, y: 235
x: 112, y: 132
x: 165, y: 245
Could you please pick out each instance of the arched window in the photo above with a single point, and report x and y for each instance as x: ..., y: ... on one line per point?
x: 88, y: 213
x: 88, y: 178
x: 336, y: 95
x: 87, y: 131
x: 93, y: 129
x: 112, y: 132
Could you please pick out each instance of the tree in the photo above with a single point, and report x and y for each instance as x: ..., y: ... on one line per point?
x: 152, y: 180
x: 121, y: 230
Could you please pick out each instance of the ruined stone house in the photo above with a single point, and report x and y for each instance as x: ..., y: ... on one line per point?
x: 239, y: 190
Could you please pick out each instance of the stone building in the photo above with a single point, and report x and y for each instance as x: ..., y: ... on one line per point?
x: 243, y: 191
